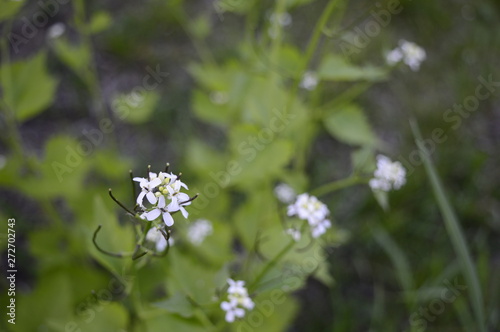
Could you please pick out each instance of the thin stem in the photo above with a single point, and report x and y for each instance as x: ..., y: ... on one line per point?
x: 120, y: 204
x: 118, y: 255
x: 270, y: 265
x: 133, y: 185
x: 337, y: 185
x: 311, y: 47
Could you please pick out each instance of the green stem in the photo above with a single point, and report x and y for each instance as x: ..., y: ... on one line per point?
x: 311, y: 47
x: 91, y: 76
x: 270, y: 265
x: 337, y: 185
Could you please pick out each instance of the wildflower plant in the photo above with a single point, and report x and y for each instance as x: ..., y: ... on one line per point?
x: 251, y: 243
x: 164, y: 197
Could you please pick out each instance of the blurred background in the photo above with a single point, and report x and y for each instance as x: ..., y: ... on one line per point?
x: 92, y: 89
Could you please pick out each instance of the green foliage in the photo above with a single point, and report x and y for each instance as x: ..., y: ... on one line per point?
x: 349, y: 125
x: 27, y: 86
x: 237, y: 119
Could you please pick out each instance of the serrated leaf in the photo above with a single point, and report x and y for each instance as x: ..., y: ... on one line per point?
x: 349, y: 125
x: 30, y: 88
x: 337, y: 68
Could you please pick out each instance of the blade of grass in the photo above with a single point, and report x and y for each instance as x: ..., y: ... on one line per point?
x: 454, y: 231
x: 398, y: 259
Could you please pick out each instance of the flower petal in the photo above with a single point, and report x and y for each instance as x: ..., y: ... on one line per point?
x: 167, y: 218
x: 153, y: 214
x: 173, y: 206
x: 140, y: 198
x: 154, y: 183
x: 151, y: 197
x: 161, y: 202
x: 185, y: 214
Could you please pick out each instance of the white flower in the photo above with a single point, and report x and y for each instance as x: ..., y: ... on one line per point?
x: 232, y: 311
x: 163, y: 191
x: 320, y: 228
x: 309, y: 81
x: 413, y: 54
x: 308, y: 208
x: 294, y: 233
x: 394, y: 56
x: 388, y: 175
x: 199, y: 230
x: 410, y: 53
x: 160, y: 209
x: 147, y: 186
x: 56, y: 30
x: 238, y: 300
x: 284, y: 193
x: 154, y: 235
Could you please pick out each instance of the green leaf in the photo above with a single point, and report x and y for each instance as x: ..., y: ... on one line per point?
x: 9, y: 8
x: 261, y: 163
x: 363, y: 160
x: 76, y: 57
x: 349, y: 125
x: 454, y: 231
x: 234, y: 6
x: 200, y: 27
x: 382, y: 199
x: 100, y: 21
x: 188, y: 276
x: 172, y: 322
x: 177, y: 304
x: 337, y: 68
x: 135, y: 108
x: 30, y: 88
x: 209, y: 111
x: 112, y: 237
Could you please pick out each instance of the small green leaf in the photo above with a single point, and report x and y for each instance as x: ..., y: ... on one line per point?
x: 382, y: 199
x: 76, y: 57
x: 177, y: 304
x: 135, y: 107
x: 30, y: 89
x: 336, y: 68
x: 200, y: 27
x: 349, y: 125
x: 100, y: 21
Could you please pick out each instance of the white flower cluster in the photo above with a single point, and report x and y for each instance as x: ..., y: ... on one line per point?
x: 410, y: 53
x: 388, y: 175
x: 163, y: 192
x: 238, y: 300
x: 199, y: 230
x: 309, y: 208
x: 284, y: 193
x: 309, y: 81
